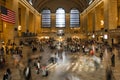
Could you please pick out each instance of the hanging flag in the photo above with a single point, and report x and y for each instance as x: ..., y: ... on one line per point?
x: 7, y: 15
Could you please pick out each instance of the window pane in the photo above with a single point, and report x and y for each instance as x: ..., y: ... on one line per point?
x: 46, y: 18
x: 74, y: 18
x: 60, y: 17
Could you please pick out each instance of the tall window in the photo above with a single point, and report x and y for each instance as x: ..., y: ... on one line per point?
x: 46, y: 18
x: 60, y: 17
x: 74, y: 18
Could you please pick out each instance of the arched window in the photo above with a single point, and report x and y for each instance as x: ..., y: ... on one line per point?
x: 74, y: 18
x: 46, y: 18
x: 60, y: 17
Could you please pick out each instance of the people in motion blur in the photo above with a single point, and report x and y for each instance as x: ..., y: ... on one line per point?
x: 44, y: 71
x: 7, y: 75
x: 27, y: 73
x: 113, y: 60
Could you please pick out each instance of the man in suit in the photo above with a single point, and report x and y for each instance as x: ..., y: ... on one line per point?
x: 27, y: 73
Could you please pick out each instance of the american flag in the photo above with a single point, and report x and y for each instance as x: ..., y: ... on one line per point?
x: 7, y: 15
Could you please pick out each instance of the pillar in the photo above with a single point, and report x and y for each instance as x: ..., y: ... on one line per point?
x: 86, y: 24
x: 67, y: 30
x: 27, y: 19
x: 99, y: 17
x: 38, y: 24
x: 31, y: 22
x: 90, y: 22
x: 23, y: 19
x: 53, y: 22
x: 110, y: 16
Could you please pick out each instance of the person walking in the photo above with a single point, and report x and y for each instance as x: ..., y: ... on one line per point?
x: 38, y: 67
x: 101, y: 56
x: 108, y: 74
x: 113, y: 60
x: 27, y: 73
x: 7, y: 75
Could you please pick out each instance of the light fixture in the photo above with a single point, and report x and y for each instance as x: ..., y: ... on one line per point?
x: 19, y: 28
x: 93, y: 36
x: 5, y: 26
x: 102, y: 22
x: 105, y: 36
x: 60, y: 37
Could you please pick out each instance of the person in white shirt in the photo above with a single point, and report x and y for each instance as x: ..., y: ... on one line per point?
x: 38, y: 67
x: 27, y: 73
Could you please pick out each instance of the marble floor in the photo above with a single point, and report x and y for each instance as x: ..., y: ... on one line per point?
x: 72, y: 66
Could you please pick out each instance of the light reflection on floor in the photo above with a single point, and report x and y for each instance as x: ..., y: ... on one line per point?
x: 64, y: 67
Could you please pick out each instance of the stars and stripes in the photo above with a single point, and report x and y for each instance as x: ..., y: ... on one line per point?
x: 7, y: 15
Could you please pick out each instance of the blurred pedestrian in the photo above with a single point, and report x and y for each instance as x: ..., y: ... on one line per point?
x: 38, y: 67
x: 7, y: 75
x: 27, y: 73
x: 113, y: 60
x: 101, y: 56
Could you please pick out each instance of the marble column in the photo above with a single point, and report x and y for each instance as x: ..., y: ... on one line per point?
x: 31, y: 22
x: 93, y: 20
x: 110, y: 16
x: 82, y: 23
x: 118, y: 16
x: 15, y: 7
x: 27, y: 19
x: 90, y: 22
x: 98, y: 18
x: 86, y: 27
x: 23, y: 19
x: 67, y: 29
x: 34, y: 23
x: 53, y: 25
x: 38, y: 24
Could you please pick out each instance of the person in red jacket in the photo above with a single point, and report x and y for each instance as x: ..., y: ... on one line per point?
x: 91, y: 52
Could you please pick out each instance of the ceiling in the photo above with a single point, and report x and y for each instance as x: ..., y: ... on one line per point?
x: 39, y: 5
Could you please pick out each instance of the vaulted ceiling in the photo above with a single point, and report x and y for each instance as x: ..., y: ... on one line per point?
x: 66, y: 4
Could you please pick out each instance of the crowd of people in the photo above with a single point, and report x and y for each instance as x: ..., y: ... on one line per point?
x: 72, y: 45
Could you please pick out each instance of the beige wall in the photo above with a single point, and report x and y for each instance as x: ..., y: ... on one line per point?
x: 90, y: 18
x: 106, y: 10
x: 27, y: 17
x: 8, y: 28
